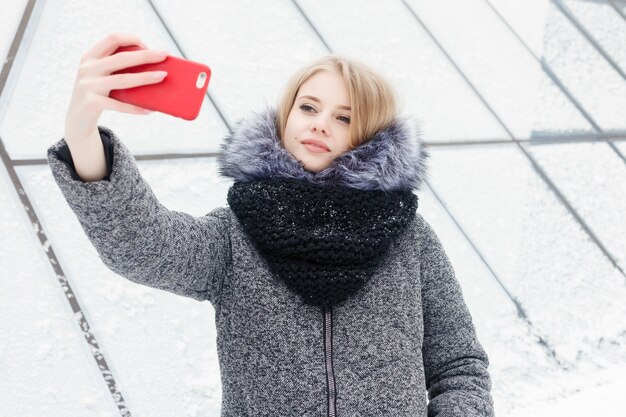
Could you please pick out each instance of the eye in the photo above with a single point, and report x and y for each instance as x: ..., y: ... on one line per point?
x: 307, y: 108
x: 344, y: 119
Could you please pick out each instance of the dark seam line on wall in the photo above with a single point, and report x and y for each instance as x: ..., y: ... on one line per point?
x: 530, y: 158
x: 70, y: 296
x: 602, y: 135
x: 458, y: 69
x: 184, y: 55
x: 574, y: 21
x: 521, y: 313
x: 541, y: 340
x: 319, y: 35
x: 617, y: 9
x: 8, y: 61
x: 579, y: 26
x: 548, y: 70
x: 535, y: 141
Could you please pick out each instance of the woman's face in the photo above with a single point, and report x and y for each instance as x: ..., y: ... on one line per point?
x: 321, y: 113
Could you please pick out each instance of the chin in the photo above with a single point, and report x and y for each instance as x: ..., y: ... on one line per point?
x: 312, y: 167
x: 316, y: 169
x: 311, y: 164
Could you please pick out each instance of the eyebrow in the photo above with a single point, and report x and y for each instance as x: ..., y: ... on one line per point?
x: 318, y: 100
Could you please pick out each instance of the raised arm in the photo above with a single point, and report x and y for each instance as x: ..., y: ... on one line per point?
x: 134, y: 234
x: 455, y: 363
x: 140, y: 239
x: 90, y: 97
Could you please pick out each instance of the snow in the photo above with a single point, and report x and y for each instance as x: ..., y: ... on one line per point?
x: 401, y: 49
x: 605, y: 399
x: 45, y: 366
x: 589, y: 78
x: 546, y: 296
x: 508, y: 77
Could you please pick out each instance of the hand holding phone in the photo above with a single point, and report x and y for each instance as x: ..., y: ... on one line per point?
x: 94, y: 82
x: 180, y: 93
x: 90, y: 97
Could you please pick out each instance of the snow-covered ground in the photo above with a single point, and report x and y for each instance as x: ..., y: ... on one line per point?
x: 536, y: 232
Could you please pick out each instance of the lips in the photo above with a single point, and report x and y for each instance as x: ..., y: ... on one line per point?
x: 315, y: 144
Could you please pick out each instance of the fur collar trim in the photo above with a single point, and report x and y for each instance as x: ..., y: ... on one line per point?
x: 393, y: 160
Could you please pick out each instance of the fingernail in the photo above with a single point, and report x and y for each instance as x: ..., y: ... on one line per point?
x: 162, y: 53
x: 159, y: 74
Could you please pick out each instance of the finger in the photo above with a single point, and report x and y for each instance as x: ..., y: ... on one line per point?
x: 128, y: 59
x: 107, y: 45
x: 109, y: 103
x: 129, y: 80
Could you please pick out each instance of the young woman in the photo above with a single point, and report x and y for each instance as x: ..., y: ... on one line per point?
x: 332, y: 295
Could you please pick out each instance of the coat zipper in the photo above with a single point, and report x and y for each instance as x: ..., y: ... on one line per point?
x: 328, y: 355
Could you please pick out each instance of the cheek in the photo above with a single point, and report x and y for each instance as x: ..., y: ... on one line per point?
x: 290, y: 127
x: 289, y: 134
x: 346, y: 142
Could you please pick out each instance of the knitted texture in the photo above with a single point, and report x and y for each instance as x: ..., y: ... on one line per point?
x: 323, y: 242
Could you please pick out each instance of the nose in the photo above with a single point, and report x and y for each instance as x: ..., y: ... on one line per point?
x: 320, y: 124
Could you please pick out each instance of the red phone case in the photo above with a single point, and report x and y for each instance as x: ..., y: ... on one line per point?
x: 181, y: 93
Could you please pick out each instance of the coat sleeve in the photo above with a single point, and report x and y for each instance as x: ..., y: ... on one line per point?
x: 455, y: 363
x: 136, y: 236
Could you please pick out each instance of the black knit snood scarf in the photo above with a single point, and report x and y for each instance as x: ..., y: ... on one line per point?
x: 323, y: 242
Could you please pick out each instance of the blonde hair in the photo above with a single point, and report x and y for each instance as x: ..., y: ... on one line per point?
x: 373, y: 100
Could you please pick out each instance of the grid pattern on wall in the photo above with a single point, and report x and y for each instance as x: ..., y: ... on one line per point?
x: 521, y: 102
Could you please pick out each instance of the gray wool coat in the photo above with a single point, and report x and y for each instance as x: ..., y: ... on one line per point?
x: 403, y: 346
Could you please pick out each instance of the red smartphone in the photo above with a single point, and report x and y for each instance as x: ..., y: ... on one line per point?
x: 181, y: 93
